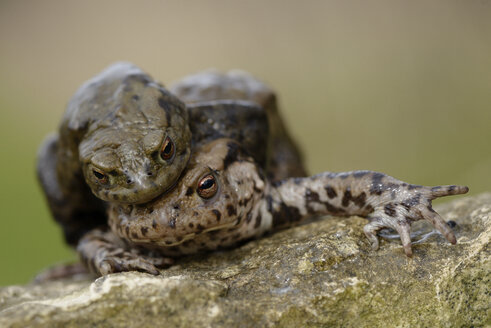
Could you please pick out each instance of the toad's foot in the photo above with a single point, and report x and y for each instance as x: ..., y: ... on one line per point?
x: 384, y: 200
x: 103, y: 254
x: 412, y: 205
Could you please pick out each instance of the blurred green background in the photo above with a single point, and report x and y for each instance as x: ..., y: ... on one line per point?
x: 402, y: 87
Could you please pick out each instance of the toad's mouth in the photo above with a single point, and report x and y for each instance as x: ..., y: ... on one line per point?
x: 190, y: 236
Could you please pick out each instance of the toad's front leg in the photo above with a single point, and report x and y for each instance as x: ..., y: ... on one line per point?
x: 384, y: 200
x: 104, y: 253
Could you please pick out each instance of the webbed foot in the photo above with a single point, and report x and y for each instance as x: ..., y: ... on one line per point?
x: 411, y: 204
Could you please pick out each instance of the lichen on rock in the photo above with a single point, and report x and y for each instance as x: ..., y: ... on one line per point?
x: 317, y: 275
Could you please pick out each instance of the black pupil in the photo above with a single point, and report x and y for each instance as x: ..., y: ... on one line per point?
x: 98, y: 175
x: 208, y: 183
x: 167, y: 148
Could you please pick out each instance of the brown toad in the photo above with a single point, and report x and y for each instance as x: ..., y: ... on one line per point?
x: 125, y: 139
x: 223, y: 198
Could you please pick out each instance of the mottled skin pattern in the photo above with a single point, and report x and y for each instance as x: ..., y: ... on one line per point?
x: 242, y: 204
x: 109, y: 143
x: 284, y: 158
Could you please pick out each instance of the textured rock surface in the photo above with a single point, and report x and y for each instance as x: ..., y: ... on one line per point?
x: 317, y: 275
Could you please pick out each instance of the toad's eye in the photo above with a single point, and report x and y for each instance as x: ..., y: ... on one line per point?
x: 100, y: 176
x: 167, y: 150
x: 207, y: 186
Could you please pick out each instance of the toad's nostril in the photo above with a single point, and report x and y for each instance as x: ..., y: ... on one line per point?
x: 129, y: 181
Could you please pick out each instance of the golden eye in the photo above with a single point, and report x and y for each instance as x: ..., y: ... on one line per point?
x: 100, y: 176
x: 207, y: 186
x: 167, y: 149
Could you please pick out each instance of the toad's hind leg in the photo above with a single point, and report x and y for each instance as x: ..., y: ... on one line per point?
x: 104, y: 253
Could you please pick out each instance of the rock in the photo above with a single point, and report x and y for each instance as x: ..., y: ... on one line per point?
x: 317, y: 275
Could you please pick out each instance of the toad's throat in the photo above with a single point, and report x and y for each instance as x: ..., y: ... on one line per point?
x: 165, y: 242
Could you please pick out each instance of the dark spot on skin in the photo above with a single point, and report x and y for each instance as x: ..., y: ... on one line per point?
x: 258, y: 221
x: 232, y: 154
x: 195, y: 213
x: 200, y: 228
x: 176, y: 206
x: 369, y: 208
x: 134, y: 235
x: 191, y: 224
x: 411, y: 187
x: 226, y: 196
x: 172, y: 223
x: 168, y: 242
x: 413, y: 201
x: 127, y: 229
x: 115, y: 197
x: 451, y: 223
x: 358, y: 200
x: 451, y: 188
x: 150, y: 210
x: 333, y: 209
x: 190, y: 191
x: 231, y: 210
x: 144, y: 230
x: 286, y: 215
x: 359, y: 174
x: 346, y: 197
x: 135, y: 97
x: 376, y: 186
x: 217, y: 214
x: 249, y: 217
x: 154, y: 224
x: 390, y: 210
x: 179, y: 238
x: 331, y: 193
x: 163, y: 104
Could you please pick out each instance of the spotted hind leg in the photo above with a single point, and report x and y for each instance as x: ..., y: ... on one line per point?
x: 384, y: 200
